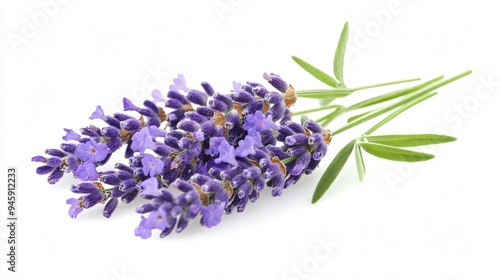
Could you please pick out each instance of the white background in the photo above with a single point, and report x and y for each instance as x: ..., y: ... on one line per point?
x: 437, y: 220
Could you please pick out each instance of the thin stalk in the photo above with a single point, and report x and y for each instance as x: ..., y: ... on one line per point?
x: 390, y: 95
x: 343, y: 92
x: 399, y: 111
x: 409, y: 98
x: 386, y: 84
x: 317, y: 109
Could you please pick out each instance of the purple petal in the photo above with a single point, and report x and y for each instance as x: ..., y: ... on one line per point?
x: 128, y: 106
x: 98, y: 114
x: 75, y: 208
x: 226, y: 154
x: 71, y: 135
x: 150, y: 188
x: 143, y: 231
x: 157, y: 96
x: 151, y: 165
x: 212, y: 214
x: 86, y: 172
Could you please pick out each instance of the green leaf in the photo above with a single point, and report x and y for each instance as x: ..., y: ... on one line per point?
x: 332, y: 171
x: 331, y: 117
x: 411, y: 96
x: 338, y: 61
x: 401, y: 109
x: 391, y: 95
x: 334, y: 107
x: 324, y: 93
x: 324, y: 102
x: 318, y: 74
x: 360, y: 163
x: 353, y: 118
x: 394, y: 153
x: 410, y: 140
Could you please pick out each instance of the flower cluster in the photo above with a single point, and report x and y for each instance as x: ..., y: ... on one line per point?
x: 201, y: 153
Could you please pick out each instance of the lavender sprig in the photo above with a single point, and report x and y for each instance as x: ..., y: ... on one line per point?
x: 205, y: 153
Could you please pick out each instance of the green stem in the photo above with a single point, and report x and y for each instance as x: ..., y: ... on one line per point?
x: 288, y: 159
x: 390, y: 95
x: 408, y: 99
x: 400, y: 110
x: 386, y: 84
x: 343, y: 92
x: 318, y: 109
x: 330, y: 117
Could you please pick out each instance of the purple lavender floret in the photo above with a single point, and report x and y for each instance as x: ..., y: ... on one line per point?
x: 203, y: 153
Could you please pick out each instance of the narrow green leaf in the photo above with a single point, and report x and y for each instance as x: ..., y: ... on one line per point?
x: 338, y: 61
x: 330, y: 117
x: 360, y: 163
x: 410, y: 140
x: 394, y: 153
x: 403, y: 108
x: 411, y: 96
x: 332, y: 171
x: 315, y: 72
x: 324, y: 93
x: 391, y: 95
x: 327, y: 101
x: 353, y: 118
x: 324, y: 102
x: 334, y: 107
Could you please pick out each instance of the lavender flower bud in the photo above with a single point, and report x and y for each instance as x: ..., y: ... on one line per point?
x: 177, y: 96
x: 55, y: 176
x: 124, y: 167
x: 54, y: 161
x: 241, y: 96
x: 238, y: 180
x: 252, y: 172
x: 253, y: 107
x: 313, y: 126
x: 297, y: 128
x: 129, y: 197
x: 110, y: 179
x: 277, y: 111
x: 130, y: 124
x: 145, y: 208
x: 296, y: 150
x: 121, y: 117
x: 315, y: 139
x: 110, y: 207
x: 205, y: 111
x: 207, y: 88
x: 173, y: 103
x: 212, y: 186
x: 276, y: 81
x: 188, y: 125
x: 273, y: 98
x: 123, y: 175
x: 92, y: 199
x: 114, y: 144
x: 224, y: 98
x: 56, y: 152
x: 296, y: 140
x: 197, y: 97
x: 244, y: 190
x: 218, y: 105
x: 300, y: 164
x: 84, y: 188
x: 320, y: 152
x: 194, y: 116
x: 151, y: 106
x: 127, y: 185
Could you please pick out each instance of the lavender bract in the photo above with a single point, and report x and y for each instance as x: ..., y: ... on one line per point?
x: 203, y: 154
